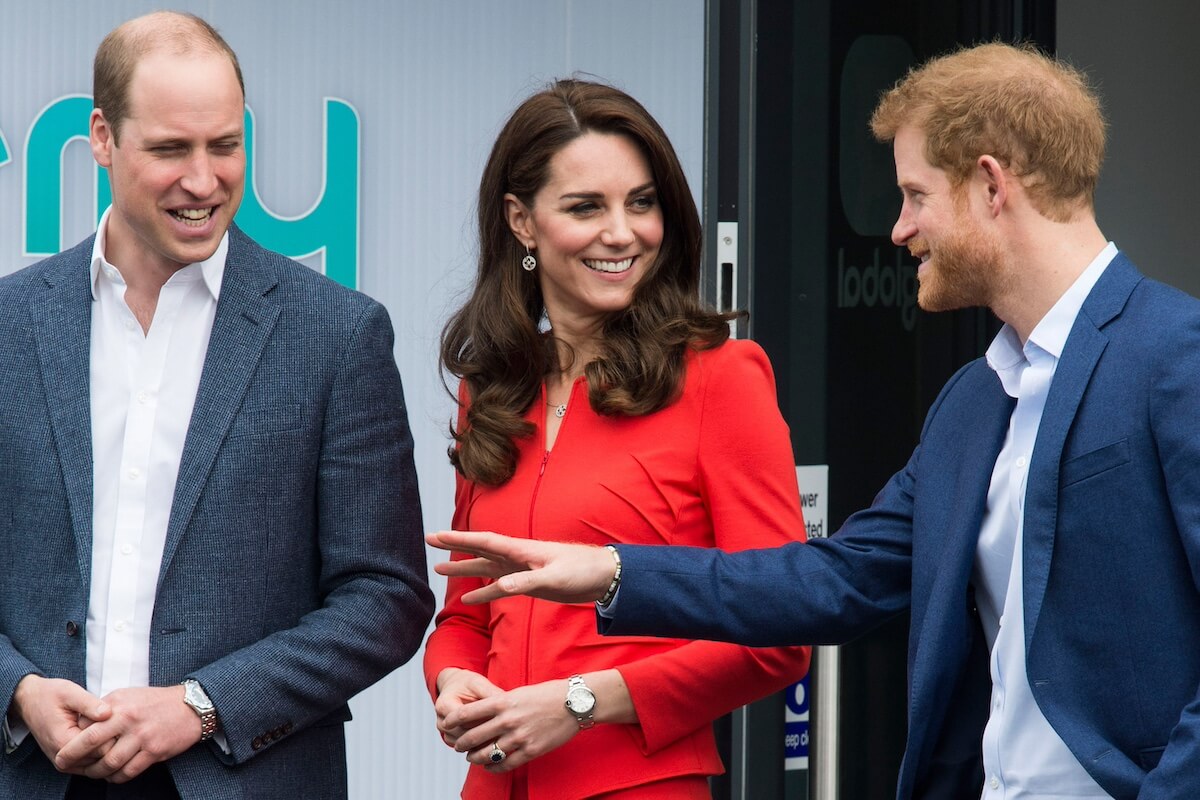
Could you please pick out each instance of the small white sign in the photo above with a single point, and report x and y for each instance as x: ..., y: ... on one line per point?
x: 814, y: 499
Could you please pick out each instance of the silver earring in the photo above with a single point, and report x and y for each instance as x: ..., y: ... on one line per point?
x: 528, y: 263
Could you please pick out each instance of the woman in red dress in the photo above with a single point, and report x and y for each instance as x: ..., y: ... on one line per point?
x: 600, y: 402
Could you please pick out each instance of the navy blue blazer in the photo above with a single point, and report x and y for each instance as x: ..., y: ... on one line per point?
x: 1111, y: 560
x: 294, y: 570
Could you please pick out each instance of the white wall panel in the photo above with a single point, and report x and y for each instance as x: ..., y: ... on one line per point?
x: 431, y: 83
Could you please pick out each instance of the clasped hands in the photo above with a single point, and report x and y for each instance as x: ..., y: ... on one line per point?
x: 527, y: 722
x: 114, y: 738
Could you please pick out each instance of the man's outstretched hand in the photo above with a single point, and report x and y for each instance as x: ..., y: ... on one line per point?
x: 564, y: 573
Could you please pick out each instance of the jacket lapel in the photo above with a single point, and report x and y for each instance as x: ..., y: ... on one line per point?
x: 969, y: 437
x: 951, y: 508
x: 1084, y: 347
x: 242, y: 326
x: 980, y: 436
x: 62, y: 319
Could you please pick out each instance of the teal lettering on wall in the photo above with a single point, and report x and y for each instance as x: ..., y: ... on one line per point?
x: 328, y: 228
x: 60, y: 123
x: 4, y: 156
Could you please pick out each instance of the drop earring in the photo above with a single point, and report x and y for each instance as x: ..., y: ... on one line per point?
x: 528, y: 263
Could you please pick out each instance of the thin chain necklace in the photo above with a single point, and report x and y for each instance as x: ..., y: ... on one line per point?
x: 560, y: 409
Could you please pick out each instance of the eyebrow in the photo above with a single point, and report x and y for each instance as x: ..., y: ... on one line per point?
x: 230, y: 137
x: 594, y: 195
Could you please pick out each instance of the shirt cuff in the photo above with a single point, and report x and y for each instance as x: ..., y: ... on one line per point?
x: 13, y: 734
x: 609, y: 611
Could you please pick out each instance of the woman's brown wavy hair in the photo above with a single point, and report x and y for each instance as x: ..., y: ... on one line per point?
x: 493, y: 345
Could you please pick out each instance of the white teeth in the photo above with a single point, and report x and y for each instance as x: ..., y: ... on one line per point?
x: 608, y: 266
x: 196, y: 216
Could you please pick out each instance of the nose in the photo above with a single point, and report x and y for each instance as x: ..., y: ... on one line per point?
x: 199, y: 178
x: 617, y: 233
x: 905, y: 227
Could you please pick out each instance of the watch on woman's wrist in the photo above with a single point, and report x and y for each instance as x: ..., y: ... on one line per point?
x: 581, y: 702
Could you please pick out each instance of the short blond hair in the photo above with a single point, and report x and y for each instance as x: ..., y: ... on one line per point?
x: 1036, y: 115
x: 175, y: 31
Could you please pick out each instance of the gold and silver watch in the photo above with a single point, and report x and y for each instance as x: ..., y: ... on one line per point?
x: 195, y: 696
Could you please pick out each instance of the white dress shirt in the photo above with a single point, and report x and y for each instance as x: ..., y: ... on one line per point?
x: 1023, y: 756
x: 143, y: 387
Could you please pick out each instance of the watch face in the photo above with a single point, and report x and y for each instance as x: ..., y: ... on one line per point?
x: 581, y: 700
x: 196, y: 696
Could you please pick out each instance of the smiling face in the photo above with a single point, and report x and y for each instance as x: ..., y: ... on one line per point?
x: 179, y: 170
x: 962, y: 263
x: 595, y: 226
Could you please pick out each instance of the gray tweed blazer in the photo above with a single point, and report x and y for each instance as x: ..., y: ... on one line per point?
x: 294, y: 571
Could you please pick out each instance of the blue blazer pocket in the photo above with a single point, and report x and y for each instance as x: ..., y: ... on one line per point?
x: 259, y: 420
x: 1091, y: 464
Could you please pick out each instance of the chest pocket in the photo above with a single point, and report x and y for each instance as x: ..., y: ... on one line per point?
x: 261, y: 420
x: 1089, y: 465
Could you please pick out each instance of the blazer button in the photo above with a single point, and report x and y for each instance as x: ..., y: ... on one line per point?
x: 72, y: 627
x: 287, y: 727
x: 256, y: 743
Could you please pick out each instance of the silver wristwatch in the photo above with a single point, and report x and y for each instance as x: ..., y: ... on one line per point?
x: 195, y: 696
x: 581, y: 702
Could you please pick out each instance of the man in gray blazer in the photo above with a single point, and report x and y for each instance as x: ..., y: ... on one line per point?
x: 209, y: 521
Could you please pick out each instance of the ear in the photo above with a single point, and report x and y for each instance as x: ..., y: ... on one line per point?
x: 995, y: 181
x: 520, y: 220
x: 101, y: 138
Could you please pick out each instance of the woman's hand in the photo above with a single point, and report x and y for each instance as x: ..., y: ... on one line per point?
x: 456, y: 689
x: 524, y: 723
x: 533, y: 720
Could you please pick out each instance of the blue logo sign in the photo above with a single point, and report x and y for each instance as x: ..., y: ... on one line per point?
x: 330, y: 228
x: 795, y: 726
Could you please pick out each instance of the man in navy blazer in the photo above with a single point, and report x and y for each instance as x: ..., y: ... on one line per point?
x: 209, y: 520
x: 1045, y: 533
